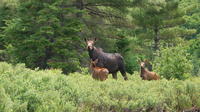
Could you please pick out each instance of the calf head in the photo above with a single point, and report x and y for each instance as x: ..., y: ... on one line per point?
x: 93, y: 63
x: 142, y: 64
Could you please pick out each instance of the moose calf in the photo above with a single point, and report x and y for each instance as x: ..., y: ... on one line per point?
x: 98, y: 72
x: 146, y: 74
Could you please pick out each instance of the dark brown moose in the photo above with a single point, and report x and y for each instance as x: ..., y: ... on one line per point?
x: 97, y: 72
x: 112, y: 61
x: 146, y: 74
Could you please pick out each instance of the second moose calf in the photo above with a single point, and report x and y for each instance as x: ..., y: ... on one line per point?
x: 98, y: 73
x: 146, y: 74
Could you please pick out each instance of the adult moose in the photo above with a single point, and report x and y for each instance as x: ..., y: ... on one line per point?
x: 112, y: 61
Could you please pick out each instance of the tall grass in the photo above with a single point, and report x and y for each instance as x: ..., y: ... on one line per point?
x: 25, y: 90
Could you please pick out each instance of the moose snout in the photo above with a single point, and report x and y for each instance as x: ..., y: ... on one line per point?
x: 90, y: 47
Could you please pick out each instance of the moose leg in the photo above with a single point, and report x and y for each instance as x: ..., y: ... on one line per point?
x: 114, y: 75
x: 123, y: 72
x: 124, y: 75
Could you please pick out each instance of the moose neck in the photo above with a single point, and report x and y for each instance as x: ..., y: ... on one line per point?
x: 93, y: 53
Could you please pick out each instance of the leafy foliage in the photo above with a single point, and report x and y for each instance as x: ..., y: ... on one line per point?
x: 174, y: 62
x: 23, y: 89
x: 49, y: 34
x: 194, y: 50
x: 122, y: 46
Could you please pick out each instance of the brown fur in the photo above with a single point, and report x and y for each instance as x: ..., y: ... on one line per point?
x: 146, y: 74
x: 98, y: 73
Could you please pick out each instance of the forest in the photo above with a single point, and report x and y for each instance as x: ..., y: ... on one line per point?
x: 45, y: 61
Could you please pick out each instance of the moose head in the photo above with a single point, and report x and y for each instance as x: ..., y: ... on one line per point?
x: 90, y: 43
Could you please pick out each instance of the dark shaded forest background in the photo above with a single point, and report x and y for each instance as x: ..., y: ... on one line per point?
x: 50, y: 33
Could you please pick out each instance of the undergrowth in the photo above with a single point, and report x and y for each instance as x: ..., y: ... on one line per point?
x: 25, y: 90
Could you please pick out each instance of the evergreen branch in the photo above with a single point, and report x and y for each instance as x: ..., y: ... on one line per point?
x: 109, y: 24
x: 102, y: 14
x: 109, y: 5
x: 96, y: 5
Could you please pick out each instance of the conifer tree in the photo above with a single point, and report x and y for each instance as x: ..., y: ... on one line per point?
x: 192, y: 16
x: 7, y: 11
x: 160, y: 20
x: 44, y: 35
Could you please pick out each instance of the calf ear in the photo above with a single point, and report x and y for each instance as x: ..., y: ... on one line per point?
x: 95, y: 39
x: 85, y: 39
x: 96, y: 61
x: 139, y: 60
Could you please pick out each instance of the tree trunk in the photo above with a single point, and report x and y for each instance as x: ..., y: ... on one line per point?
x: 79, y: 5
x: 156, y: 39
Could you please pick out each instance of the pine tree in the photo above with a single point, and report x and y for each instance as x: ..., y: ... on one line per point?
x: 44, y: 35
x: 192, y: 17
x: 160, y: 20
x: 7, y: 11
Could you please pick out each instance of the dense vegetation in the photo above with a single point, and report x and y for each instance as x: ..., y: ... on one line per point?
x: 25, y: 90
x: 49, y: 34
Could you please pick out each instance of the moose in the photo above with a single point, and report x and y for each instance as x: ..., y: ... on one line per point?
x: 114, y: 62
x: 146, y: 74
x: 97, y: 72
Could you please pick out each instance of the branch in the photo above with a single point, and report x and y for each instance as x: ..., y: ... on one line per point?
x: 109, y: 5
x: 109, y: 24
x: 95, y: 5
x: 102, y: 14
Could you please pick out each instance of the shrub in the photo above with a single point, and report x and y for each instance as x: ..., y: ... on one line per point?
x: 194, y: 50
x: 131, y: 63
x: 22, y: 89
x: 174, y: 62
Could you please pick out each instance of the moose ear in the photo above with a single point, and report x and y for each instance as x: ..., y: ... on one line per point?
x: 139, y: 61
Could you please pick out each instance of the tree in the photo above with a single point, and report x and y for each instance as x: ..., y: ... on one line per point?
x: 44, y: 35
x: 7, y: 11
x: 160, y: 20
x: 192, y: 16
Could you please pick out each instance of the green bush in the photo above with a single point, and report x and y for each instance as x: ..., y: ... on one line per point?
x: 123, y: 47
x: 194, y: 50
x: 131, y: 63
x: 174, y: 62
x: 25, y: 90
